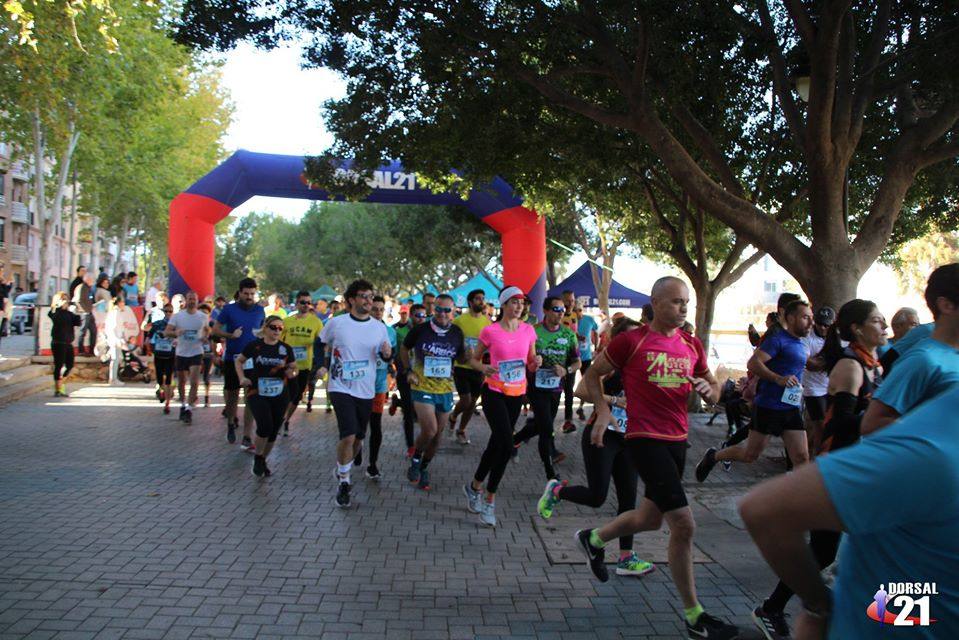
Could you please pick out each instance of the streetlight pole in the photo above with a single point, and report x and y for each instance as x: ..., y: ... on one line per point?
x: 73, y: 224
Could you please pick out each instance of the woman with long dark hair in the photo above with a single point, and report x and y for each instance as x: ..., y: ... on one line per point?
x: 853, y: 376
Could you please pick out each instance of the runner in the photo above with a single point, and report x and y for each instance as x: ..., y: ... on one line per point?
x: 605, y: 461
x: 354, y: 341
x: 401, y: 328
x: 379, y: 400
x: 930, y: 366
x: 815, y: 379
x: 853, y: 376
x: 903, y: 321
x: 163, y: 358
x: 236, y: 324
x: 779, y: 363
x: 587, y: 333
x: 265, y: 368
x: 191, y: 328
x: 62, y: 334
x: 660, y: 366
x: 433, y: 345
x: 209, y: 352
x: 511, y: 344
x: 469, y: 382
x: 301, y: 331
x: 417, y: 317
x: 570, y: 320
x: 429, y: 300
x: 556, y: 346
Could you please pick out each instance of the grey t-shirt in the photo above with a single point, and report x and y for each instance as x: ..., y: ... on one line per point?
x: 191, y: 342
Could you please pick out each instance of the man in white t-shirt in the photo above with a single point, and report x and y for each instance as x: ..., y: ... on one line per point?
x: 815, y: 380
x: 354, y: 341
x: 191, y: 328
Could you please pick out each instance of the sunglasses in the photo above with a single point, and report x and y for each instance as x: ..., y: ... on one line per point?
x: 558, y: 309
x: 419, y: 315
x: 443, y: 309
x: 302, y: 302
x: 274, y: 327
x: 365, y: 296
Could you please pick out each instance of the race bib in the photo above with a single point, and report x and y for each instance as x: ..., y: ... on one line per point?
x: 355, y: 369
x: 511, y: 371
x: 437, y: 367
x: 582, y: 344
x: 299, y: 353
x: 269, y: 387
x: 189, y: 334
x: 163, y: 344
x: 619, y: 417
x: 248, y: 364
x: 793, y: 395
x: 206, y: 347
x: 471, y: 343
x: 546, y: 378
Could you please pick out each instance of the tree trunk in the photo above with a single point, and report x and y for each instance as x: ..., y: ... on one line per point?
x: 95, y: 258
x: 833, y: 282
x: 550, y: 274
x: 121, y: 245
x: 40, y: 196
x: 706, y: 294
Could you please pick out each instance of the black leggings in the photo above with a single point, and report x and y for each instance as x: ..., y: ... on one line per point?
x: 62, y: 359
x: 205, y: 365
x: 824, y: 545
x: 376, y: 436
x: 501, y: 412
x: 610, y: 461
x: 299, y: 384
x: 545, y: 405
x: 406, y: 405
x: 568, y: 381
x: 268, y: 413
x: 164, y: 369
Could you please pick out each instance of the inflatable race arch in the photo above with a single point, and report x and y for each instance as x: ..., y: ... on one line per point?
x: 245, y: 174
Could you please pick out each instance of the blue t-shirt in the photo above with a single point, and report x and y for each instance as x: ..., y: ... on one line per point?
x: 787, y: 357
x: 132, y: 293
x: 584, y: 330
x: 923, y: 372
x: 911, y: 339
x: 898, y: 530
x: 382, y: 366
x: 232, y: 316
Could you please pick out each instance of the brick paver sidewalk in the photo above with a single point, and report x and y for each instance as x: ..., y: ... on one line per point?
x: 118, y: 521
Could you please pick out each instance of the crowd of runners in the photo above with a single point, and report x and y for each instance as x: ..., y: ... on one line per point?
x: 819, y: 380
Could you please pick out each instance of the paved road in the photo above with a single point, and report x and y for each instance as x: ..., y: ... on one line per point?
x: 118, y: 521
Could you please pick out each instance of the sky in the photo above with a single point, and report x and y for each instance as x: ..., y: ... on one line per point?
x: 277, y: 110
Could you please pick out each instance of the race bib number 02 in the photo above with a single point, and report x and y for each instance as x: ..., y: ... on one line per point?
x: 793, y: 395
x: 546, y: 378
x: 511, y: 371
x: 269, y: 387
x: 355, y: 369
x: 437, y: 367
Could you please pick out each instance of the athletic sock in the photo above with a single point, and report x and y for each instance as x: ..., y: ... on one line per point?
x: 424, y: 463
x: 595, y: 540
x: 692, y: 614
x: 343, y: 470
x: 556, y: 489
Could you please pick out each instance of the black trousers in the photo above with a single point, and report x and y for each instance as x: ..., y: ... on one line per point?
x: 62, y: 360
x: 611, y: 461
x: 545, y: 405
x: 406, y: 406
x: 568, y: 381
x: 268, y: 413
x: 501, y: 412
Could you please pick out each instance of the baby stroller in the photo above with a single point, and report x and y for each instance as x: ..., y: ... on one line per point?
x: 133, y: 368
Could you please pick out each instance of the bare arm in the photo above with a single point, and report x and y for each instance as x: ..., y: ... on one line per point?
x: 218, y: 331
x: 878, y: 415
x: 238, y: 362
x: 477, y: 360
x: 593, y: 380
x: 757, y: 366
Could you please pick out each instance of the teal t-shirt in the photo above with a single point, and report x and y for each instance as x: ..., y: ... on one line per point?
x: 382, y: 366
x: 584, y: 330
x: 897, y: 528
x: 923, y: 372
x: 914, y: 337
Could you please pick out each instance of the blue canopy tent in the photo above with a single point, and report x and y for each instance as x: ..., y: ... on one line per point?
x: 490, y: 287
x: 418, y: 298
x: 580, y: 282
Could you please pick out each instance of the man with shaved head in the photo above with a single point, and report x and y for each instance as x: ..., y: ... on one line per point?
x: 903, y: 321
x: 660, y: 366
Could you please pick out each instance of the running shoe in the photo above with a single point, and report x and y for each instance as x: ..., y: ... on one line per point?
x: 474, y: 499
x: 413, y: 473
x: 424, y: 482
x: 372, y: 472
x: 632, y: 565
x: 159, y: 395
x: 259, y: 463
x: 568, y: 427
x: 706, y: 464
x: 772, y: 624
x: 595, y: 558
x: 709, y: 627
x: 231, y: 432
x: 166, y: 411
x: 488, y: 513
x: 581, y: 414
x: 727, y: 465
x: 462, y: 438
x: 246, y: 443
x: 343, y: 495
x: 182, y: 413
x: 266, y: 470
x: 188, y: 417
x: 394, y: 404
x: 286, y: 428
x: 309, y: 407
x: 549, y: 500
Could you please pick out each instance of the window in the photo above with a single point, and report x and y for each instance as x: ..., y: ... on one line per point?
x: 19, y: 191
x: 769, y: 287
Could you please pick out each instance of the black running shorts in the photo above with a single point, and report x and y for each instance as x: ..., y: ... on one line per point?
x: 815, y: 407
x: 468, y: 381
x: 352, y: 414
x: 660, y: 465
x: 230, y: 380
x: 772, y: 422
x: 185, y: 363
